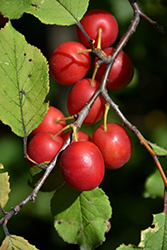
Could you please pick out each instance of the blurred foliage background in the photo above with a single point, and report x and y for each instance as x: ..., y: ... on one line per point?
x: 136, y: 190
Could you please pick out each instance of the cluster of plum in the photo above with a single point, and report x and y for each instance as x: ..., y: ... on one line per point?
x: 83, y: 162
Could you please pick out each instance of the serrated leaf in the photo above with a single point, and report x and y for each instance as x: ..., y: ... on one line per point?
x: 14, y: 242
x: 52, y: 183
x: 13, y: 9
x: 63, y: 12
x: 81, y: 217
x: 129, y: 247
x: 4, y: 188
x: 154, y: 237
x: 1, y: 166
x: 154, y: 186
x: 157, y: 149
x: 24, y: 82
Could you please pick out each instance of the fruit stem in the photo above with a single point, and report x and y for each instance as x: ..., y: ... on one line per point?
x: 107, y: 107
x: 99, y: 38
x: 83, y: 51
x: 103, y: 53
x: 31, y: 160
x: 94, y: 74
x: 62, y: 130
x: 74, y: 128
x: 65, y: 119
x: 34, y: 162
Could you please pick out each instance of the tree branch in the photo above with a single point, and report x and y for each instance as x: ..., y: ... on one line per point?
x: 109, y: 60
x: 142, y: 140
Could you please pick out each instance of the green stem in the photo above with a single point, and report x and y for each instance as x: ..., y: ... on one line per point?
x: 62, y: 130
x: 74, y: 128
x: 65, y: 119
x: 107, y: 107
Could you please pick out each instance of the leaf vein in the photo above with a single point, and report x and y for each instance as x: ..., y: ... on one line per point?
x: 67, y: 10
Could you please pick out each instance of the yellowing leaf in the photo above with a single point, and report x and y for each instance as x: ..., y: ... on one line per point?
x: 14, y: 242
x: 4, y: 188
x: 1, y: 166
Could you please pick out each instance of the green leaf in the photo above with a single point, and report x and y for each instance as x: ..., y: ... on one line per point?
x: 24, y: 82
x: 63, y: 12
x: 154, y: 237
x: 4, y: 188
x: 52, y: 183
x: 154, y: 186
x: 129, y: 247
x: 157, y: 149
x: 13, y: 9
x: 14, y: 242
x: 81, y: 217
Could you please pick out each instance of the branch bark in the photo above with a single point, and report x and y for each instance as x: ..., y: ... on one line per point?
x: 109, y: 60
